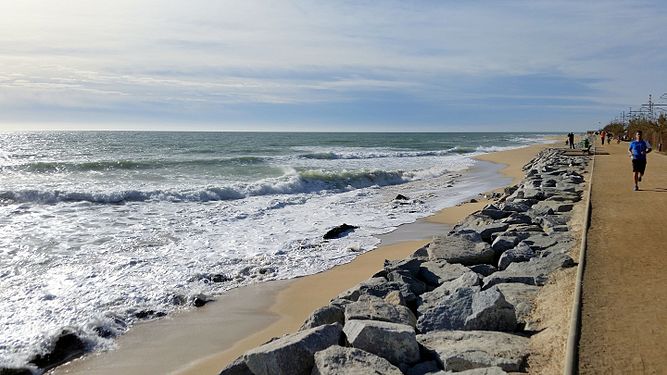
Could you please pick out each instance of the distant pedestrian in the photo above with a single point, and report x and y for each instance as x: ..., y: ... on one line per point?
x: 638, y: 150
x: 602, y: 135
x: 570, y: 138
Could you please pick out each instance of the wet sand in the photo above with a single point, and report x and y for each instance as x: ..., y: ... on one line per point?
x: 218, y: 338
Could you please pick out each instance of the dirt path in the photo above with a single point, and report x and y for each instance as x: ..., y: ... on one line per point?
x: 624, y: 314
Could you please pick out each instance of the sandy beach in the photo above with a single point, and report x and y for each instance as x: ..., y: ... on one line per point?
x: 216, y: 334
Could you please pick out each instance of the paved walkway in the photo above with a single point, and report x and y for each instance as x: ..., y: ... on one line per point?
x: 624, y: 313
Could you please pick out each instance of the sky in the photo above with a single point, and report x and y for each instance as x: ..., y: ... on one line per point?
x: 327, y: 65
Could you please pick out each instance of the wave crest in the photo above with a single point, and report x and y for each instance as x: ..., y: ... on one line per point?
x: 307, y: 181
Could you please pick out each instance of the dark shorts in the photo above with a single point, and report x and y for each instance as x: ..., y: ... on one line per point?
x: 639, y: 165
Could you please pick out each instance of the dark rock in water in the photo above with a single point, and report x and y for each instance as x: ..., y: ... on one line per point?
x: 14, y: 371
x: 67, y: 346
x: 401, y: 197
x: 238, y: 367
x: 178, y: 300
x: 292, y: 354
x: 207, y: 278
x: 339, y: 231
x: 103, y: 332
x: 338, y: 360
x: 324, y: 315
x: 200, y: 301
x: 149, y: 314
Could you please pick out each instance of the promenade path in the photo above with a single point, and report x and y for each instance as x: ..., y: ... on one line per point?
x: 624, y: 312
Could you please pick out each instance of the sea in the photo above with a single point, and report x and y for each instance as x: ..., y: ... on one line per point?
x: 101, y: 229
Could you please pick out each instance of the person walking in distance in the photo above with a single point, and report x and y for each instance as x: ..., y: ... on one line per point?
x: 638, y: 150
x: 602, y: 135
x: 570, y: 138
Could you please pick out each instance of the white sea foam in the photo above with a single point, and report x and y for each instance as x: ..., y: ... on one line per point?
x: 103, y: 249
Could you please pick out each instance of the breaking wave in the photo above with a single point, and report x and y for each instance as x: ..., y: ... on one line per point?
x: 295, y: 182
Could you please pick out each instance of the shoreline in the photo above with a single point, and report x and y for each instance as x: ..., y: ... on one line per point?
x: 284, y: 304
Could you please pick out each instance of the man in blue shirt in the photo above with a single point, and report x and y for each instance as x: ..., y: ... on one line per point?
x: 638, y: 150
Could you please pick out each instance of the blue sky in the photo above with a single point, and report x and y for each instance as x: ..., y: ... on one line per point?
x: 327, y: 65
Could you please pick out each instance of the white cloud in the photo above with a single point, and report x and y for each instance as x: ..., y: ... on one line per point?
x: 104, y: 54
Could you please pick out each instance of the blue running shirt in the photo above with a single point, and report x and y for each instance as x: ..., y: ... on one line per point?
x: 639, y: 148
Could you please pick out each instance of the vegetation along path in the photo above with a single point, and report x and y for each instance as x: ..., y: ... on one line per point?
x: 624, y: 312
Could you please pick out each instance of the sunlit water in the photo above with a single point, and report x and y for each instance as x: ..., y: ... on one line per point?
x: 96, y: 227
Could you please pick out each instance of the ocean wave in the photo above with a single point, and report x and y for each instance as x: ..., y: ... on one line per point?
x: 295, y: 182
x: 109, y: 165
x: 331, y: 155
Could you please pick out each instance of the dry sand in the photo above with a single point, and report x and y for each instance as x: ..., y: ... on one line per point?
x: 624, y: 312
x: 290, y: 304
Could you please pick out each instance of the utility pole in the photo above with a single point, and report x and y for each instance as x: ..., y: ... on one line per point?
x: 652, y: 105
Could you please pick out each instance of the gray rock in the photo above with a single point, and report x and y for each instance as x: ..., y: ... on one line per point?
x: 337, y: 360
x: 556, y: 229
x: 515, y: 207
x: 480, y: 371
x: 449, y: 312
x: 508, y: 240
x: 292, y: 354
x: 521, y: 253
x: 421, y: 253
x: 518, y: 218
x: 392, y: 341
x: 379, y: 287
x: 410, y: 265
x: 540, y: 241
x: 534, y: 272
x: 424, y: 368
x: 416, y: 286
x: 430, y: 299
x: 488, y: 230
x: 466, y: 249
x: 531, y: 193
x: 324, y: 315
x: 18, y: 370
x: 522, y: 297
x: 483, y: 269
x: 465, y: 350
x: 438, y: 272
x: 554, y: 206
x: 375, y: 308
x: 494, y: 213
x: 395, y: 298
x: 490, y: 311
x: 238, y: 367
